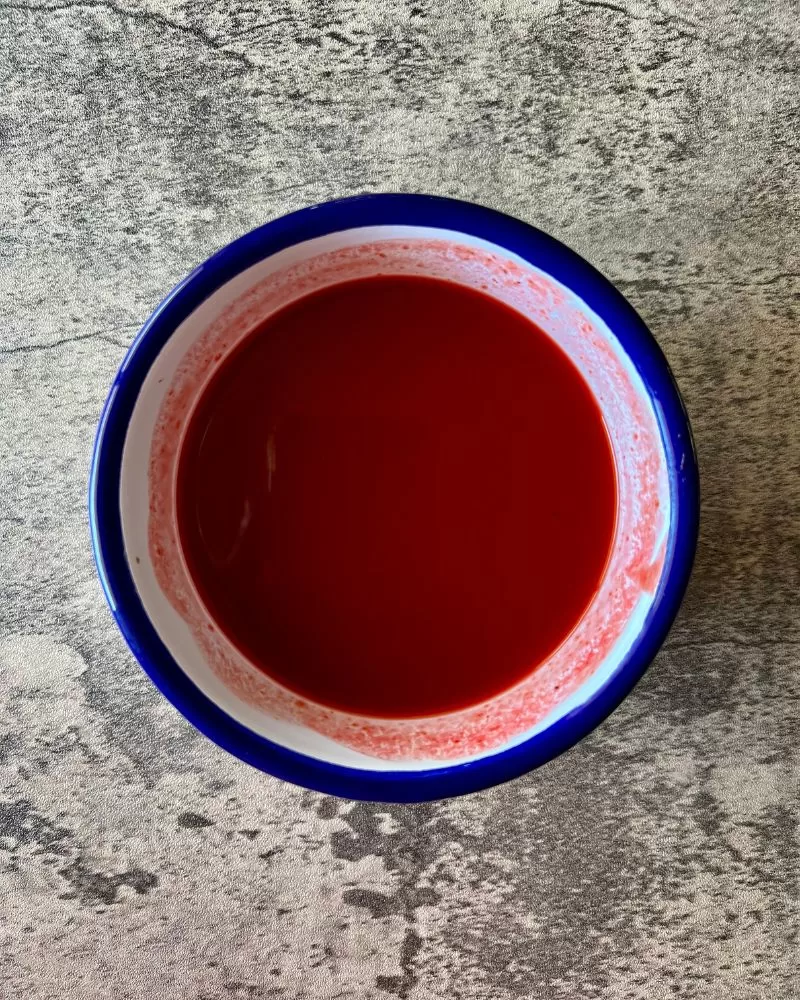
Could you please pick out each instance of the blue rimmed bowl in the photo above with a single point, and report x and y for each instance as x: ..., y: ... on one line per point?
x: 152, y: 597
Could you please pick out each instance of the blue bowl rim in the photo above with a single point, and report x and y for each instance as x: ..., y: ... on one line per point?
x: 539, y: 249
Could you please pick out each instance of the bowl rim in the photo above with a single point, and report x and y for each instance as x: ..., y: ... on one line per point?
x: 539, y: 249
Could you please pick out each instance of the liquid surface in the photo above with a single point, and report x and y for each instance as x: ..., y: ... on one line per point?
x: 397, y: 497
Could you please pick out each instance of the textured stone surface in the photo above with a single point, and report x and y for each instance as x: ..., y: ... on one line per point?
x: 658, y: 859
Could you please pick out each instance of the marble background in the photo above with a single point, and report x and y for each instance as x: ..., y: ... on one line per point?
x: 658, y: 859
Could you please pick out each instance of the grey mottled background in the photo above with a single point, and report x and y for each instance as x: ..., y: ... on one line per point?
x: 660, y: 858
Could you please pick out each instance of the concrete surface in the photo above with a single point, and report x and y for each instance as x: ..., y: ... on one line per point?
x: 661, y: 857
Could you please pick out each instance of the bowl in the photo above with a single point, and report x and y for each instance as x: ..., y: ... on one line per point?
x: 144, y: 576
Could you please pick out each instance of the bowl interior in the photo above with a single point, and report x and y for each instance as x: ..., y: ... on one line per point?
x: 588, y: 657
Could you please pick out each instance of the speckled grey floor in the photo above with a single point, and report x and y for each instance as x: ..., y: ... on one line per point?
x: 661, y: 857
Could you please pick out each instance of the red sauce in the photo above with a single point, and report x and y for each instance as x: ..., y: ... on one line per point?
x: 397, y: 497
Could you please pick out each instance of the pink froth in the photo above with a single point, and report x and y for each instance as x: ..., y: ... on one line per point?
x: 635, y: 565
